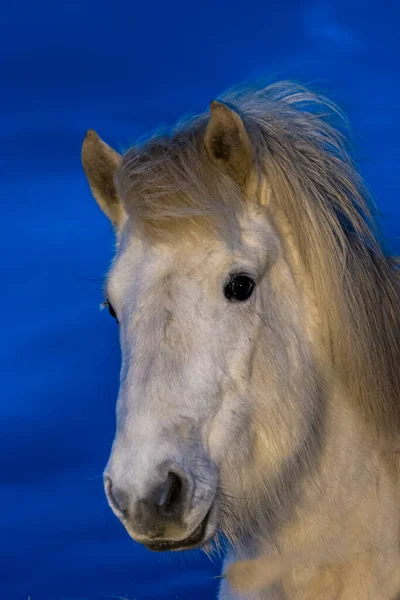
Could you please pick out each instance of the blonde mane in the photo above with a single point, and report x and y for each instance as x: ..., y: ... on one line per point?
x: 316, y: 187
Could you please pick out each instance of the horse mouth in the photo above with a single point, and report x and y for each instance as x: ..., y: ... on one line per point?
x: 195, y: 539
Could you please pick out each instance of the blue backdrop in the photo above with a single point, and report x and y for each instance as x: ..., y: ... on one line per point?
x: 124, y: 68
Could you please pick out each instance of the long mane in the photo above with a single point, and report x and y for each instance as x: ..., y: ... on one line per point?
x: 316, y: 186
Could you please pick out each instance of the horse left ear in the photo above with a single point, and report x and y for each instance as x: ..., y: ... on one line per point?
x: 228, y: 144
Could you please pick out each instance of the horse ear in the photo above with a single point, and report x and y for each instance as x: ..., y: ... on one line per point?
x: 227, y: 142
x: 100, y: 163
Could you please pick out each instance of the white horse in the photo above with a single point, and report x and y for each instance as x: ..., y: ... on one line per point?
x: 260, y: 332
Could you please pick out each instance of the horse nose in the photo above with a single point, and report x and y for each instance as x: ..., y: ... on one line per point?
x: 165, y: 502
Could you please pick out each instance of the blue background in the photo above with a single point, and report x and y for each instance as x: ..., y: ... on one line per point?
x: 125, y: 68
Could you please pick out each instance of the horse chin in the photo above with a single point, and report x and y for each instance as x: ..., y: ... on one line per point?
x: 198, y: 538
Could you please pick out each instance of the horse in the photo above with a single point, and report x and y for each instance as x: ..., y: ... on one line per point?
x: 259, y: 321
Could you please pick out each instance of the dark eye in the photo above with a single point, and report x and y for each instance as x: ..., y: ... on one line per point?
x: 239, y: 287
x: 111, y: 309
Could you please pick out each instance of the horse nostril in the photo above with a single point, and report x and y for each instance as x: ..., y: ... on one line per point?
x: 172, y: 498
x: 114, y: 496
x: 159, y: 503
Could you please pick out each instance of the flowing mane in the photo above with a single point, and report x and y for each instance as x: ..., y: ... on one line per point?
x: 317, y: 189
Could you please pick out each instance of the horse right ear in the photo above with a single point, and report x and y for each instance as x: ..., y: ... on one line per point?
x: 100, y: 163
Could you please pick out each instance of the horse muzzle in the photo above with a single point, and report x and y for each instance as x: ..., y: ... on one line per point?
x: 166, y: 514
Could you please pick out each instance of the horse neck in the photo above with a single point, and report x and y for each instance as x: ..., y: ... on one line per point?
x: 349, y: 503
x: 343, y: 534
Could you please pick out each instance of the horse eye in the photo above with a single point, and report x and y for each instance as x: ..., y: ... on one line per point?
x: 239, y: 287
x: 111, y: 309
